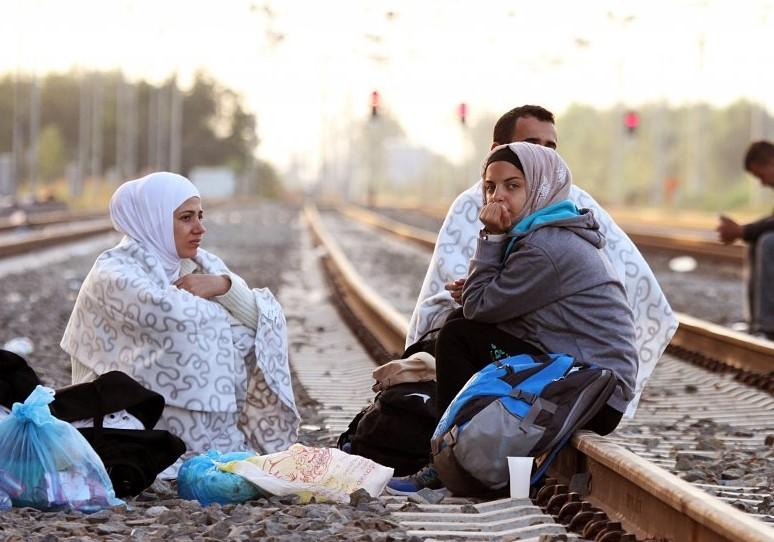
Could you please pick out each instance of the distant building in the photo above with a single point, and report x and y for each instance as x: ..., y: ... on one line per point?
x: 214, y: 182
x: 406, y: 163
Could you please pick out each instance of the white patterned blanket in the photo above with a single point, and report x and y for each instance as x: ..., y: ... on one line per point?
x: 128, y: 318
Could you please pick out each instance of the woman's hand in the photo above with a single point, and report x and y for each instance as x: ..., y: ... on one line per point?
x: 204, y: 286
x: 455, y: 289
x: 495, y: 218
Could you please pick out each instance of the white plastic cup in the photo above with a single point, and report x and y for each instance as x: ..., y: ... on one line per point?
x: 520, y: 469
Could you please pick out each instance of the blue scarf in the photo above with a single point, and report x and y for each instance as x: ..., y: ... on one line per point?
x: 552, y: 213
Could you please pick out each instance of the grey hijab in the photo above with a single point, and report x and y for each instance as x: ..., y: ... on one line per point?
x: 548, y: 177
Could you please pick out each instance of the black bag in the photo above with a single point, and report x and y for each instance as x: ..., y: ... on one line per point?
x: 133, y: 458
x: 395, y: 429
x: 17, y: 379
x: 423, y: 344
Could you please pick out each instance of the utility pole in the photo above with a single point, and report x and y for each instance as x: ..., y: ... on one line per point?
x: 32, y: 168
x: 17, y: 151
x: 84, y: 136
x: 131, y: 131
x: 126, y: 129
x: 96, y: 125
x: 121, y: 135
x: 152, y: 160
x: 175, y: 126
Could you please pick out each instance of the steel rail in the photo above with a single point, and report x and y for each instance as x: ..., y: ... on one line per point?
x: 685, y: 244
x: 36, y: 241
x: 388, y: 325
x: 732, y: 348
x: 25, y: 219
x: 646, y: 498
x: 93, y: 224
x: 651, y: 501
x: 646, y: 235
x: 422, y: 237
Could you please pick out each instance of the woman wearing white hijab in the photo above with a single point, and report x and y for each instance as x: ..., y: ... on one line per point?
x: 539, y: 282
x: 172, y: 316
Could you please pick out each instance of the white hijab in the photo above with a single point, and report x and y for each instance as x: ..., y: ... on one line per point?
x: 143, y: 209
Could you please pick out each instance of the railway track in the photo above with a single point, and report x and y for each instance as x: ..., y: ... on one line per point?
x: 599, y: 474
x: 750, y: 356
x: 695, y: 240
x: 22, y: 219
x: 13, y: 244
x: 26, y: 232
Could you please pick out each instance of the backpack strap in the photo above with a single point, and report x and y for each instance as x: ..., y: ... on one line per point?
x: 448, y: 439
x: 518, y: 393
x: 541, y: 404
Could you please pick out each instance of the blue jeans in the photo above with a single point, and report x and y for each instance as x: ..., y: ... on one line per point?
x: 760, y: 286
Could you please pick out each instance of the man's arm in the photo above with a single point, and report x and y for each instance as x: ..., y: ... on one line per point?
x: 751, y: 232
x: 453, y: 249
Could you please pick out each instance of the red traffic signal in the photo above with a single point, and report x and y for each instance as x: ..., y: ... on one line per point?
x: 631, y: 121
x: 462, y: 112
x: 375, y: 103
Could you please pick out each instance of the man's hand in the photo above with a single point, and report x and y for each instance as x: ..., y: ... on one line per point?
x: 495, y: 218
x: 205, y: 286
x: 728, y: 230
x: 455, y: 289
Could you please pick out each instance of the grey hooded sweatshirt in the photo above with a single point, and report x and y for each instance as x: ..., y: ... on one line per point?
x: 558, y: 291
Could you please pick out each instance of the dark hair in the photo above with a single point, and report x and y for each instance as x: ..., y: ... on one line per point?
x: 503, y: 130
x: 504, y: 155
x: 759, y: 152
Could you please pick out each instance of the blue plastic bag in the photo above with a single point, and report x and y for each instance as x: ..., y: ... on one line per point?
x: 47, y: 464
x: 5, y: 501
x: 200, y: 479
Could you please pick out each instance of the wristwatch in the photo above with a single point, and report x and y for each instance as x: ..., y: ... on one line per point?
x: 486, y: 235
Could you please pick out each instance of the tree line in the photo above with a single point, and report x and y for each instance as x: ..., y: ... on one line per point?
x: 681, y: 156
x: 99, y: 124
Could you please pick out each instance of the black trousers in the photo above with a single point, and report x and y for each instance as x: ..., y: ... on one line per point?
x: 464, y: 347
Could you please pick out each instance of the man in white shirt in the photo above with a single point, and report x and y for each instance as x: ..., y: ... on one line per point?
x: 441, y: 290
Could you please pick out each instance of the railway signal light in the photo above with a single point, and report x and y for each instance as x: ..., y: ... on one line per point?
x: 631, y: 122
x: 462, y: 112
x: 375, y: 98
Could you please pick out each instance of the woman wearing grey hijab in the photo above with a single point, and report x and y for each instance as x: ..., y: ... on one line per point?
x: 538, y: 283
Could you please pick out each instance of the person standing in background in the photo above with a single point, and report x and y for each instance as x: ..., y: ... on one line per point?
x: 759, y: 235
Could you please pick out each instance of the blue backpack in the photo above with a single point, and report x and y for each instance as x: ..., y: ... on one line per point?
x: 524, y: 406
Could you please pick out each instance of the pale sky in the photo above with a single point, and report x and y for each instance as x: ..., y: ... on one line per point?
x: 307, y: 68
